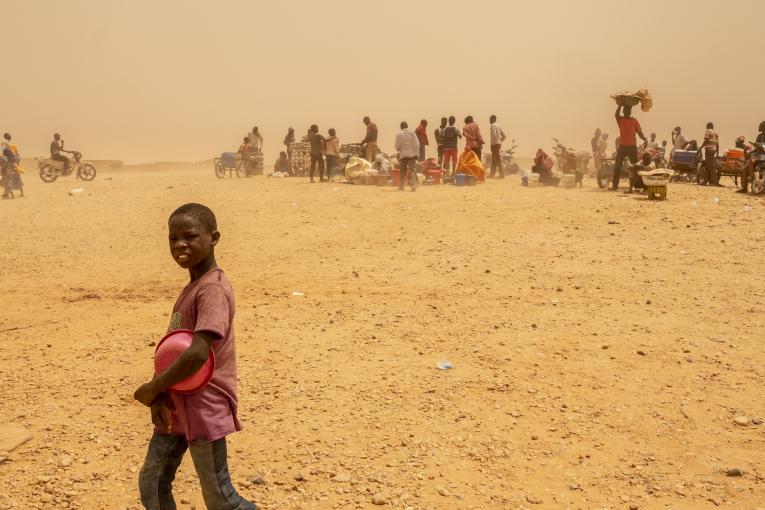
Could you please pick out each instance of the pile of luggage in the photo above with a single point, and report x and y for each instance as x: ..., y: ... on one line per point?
x: 352, y: 149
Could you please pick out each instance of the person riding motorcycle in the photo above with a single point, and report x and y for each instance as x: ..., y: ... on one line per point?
x: 56, y: 150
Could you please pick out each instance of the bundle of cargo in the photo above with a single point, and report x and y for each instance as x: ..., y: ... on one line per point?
x: 631, y: 99
x: 258, y: 160
x: 352, y: 149
x: 301, y: 158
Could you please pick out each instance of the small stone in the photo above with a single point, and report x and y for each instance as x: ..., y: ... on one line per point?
x: 185, y: 501
x: 534, y: 437
x: 379, y: 499
x: 641, y: 353
x: 625, y: 498
x: 259, y: 480
x: 442, y: 491
x: 533, y: 500
x: 648, y: 301
x: 734, y: 472
x: 342, y: 478
x: 633, y: 507
x: 743, y: 421
x: 65, y: 461
x: 299, y: 477
x: 757, y: 421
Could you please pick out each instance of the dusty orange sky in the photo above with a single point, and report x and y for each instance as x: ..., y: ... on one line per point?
x: 184, y: 80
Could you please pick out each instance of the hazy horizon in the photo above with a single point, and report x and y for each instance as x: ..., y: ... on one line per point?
x: 172, y: 80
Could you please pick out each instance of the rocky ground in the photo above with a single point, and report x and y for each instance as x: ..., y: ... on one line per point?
x: 606, y: 350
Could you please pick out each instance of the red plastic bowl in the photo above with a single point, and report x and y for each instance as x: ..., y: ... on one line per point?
x: 168, y: 350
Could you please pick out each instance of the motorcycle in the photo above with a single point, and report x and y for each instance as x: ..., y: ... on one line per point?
x: 51, y: 169
x: 571, y: 161
x: 507, y: 156
x: 756, y: 168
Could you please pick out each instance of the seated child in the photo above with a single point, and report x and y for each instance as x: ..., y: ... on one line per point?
x: 201, y: 421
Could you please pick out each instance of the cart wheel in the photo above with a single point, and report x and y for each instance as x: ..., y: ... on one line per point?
x: 220, y: 171
x: 241, y: 169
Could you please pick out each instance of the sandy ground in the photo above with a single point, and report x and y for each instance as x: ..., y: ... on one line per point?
x: 602, y: 344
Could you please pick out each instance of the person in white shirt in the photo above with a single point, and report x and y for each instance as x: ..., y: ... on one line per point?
x: 256, y: 139
x: 679, y: 142
x: 408, y: 147
x: 497, y: 137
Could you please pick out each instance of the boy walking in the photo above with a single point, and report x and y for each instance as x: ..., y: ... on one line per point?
x: 201, y: 421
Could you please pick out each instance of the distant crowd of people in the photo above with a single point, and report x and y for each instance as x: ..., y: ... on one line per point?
x: 325, y: 149
x: 626, y: 148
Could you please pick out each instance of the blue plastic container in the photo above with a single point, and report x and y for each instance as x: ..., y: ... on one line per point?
x: 228, y: 159
x: 459, y: 179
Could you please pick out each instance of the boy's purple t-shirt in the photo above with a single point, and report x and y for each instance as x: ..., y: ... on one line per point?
x: 210, y: 414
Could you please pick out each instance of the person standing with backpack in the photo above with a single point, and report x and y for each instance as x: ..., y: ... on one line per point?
x: 451, y: 136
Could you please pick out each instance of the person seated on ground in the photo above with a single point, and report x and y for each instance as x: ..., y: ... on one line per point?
x: 543, y: 165
x: 636, y: 181
x: 57, y: 150
x: 282, y: 167
x: 470, y: 164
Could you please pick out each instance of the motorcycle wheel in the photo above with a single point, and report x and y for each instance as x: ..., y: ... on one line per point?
x: 220, y: 172
x: 47, y: 174
x: 87, y: 172
x: 605, y: 176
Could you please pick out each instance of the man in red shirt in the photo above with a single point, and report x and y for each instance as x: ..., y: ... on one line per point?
x: 629, y: 130
x: 422, y: 137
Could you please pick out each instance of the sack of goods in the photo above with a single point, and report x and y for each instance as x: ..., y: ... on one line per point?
x: 642, y: 96
x: 568, y: 181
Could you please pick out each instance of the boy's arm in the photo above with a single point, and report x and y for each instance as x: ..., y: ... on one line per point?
x: 186, y: 365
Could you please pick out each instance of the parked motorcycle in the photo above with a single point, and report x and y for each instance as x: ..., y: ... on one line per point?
x: 570, y: 160
x: 756, y: 168
x: 507, y: 156
x: 51, y: 169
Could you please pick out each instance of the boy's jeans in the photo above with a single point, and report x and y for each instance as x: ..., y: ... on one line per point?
x: 210, y: 460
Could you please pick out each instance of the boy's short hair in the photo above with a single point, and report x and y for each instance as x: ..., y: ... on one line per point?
x: 199, y: 212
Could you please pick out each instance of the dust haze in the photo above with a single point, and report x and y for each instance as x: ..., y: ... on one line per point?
x: 176, y: 80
